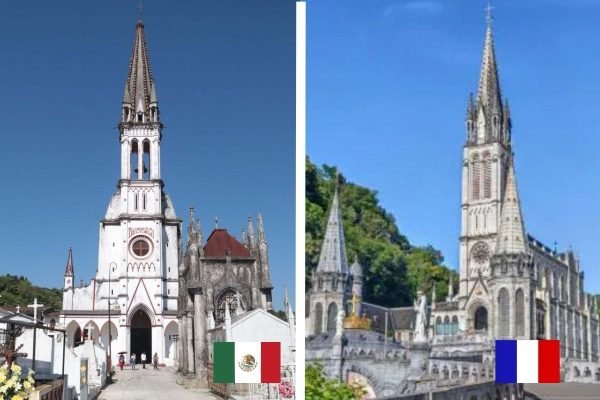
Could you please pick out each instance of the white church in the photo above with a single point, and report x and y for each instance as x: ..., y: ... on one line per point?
x: 134, y: 294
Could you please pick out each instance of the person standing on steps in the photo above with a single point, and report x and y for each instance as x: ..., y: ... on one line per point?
x: 132, y: 361
x: 155, y: 360
x: 144, y: 359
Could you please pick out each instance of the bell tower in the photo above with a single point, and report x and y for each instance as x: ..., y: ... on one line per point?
x: 140, y: 232
x: 486, y: 156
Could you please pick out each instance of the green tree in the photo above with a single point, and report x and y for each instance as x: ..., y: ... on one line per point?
x: 18, y: 290
x: 318, y: 387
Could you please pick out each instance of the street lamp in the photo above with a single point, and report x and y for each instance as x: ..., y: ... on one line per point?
x: 109, y: 355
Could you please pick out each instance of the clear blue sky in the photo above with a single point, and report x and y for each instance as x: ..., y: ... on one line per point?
x: 387, y: 88
x: 225, y: 74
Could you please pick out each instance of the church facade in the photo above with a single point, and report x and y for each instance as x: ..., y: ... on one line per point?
x: 216, y: 277
x: 136, y: 284
x: 511, y: 286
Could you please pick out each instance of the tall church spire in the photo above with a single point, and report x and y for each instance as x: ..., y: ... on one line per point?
x: 511, y: 235
x: 333, y: 251
x: 487, y: 121
x: 489, y: 85
x: 140, y: 104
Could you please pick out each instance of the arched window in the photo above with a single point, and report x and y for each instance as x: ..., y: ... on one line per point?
x: 227, y: 297
x: 454, y: 325
x: 446, y: 325
x: 520, y: 313
x: 332, y: 312
x: 481, y: 316
x: 133, y: 160
x: 503, y: 313
x: 476, y: 179
x: 487, y: 177
x: 318, y: 318
x: 146, y: 155
x: 438, y: 326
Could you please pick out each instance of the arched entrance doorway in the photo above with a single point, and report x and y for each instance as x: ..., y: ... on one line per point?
x: 481, y: 319
x: 141, y: 335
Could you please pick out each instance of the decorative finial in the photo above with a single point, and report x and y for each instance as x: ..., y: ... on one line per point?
x: 488, y: 14
x: 216, y: 222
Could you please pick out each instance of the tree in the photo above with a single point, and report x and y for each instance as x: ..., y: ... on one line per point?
x: 318, y: 387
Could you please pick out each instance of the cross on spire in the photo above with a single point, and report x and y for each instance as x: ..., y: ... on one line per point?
x: 35, y: 306
x: 139, y: 9
x: 216, y: 222
x: 488, y: 14
x: 18, y: 309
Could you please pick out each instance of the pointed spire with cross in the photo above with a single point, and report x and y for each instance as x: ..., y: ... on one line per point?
x: 35, y: 306
x: 489, y: 18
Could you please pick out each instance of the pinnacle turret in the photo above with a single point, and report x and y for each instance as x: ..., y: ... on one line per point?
x: 70, y: 269
x: 333, y: 251
x: 261, y: 229
x: 511, y: 235
x: 140, y: 104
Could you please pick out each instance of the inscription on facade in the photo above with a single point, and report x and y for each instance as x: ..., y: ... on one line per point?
x: 144, y: 231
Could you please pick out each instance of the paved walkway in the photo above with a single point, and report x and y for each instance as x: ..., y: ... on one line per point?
x: 563, y: 391
x: 147, y: 384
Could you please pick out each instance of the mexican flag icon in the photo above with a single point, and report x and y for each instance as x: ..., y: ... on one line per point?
x: 247, y: 362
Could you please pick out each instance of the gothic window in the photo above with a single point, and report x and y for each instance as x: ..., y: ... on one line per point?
x: 446, y: 325
x: 481, y: 316
x: 503, y: 313
x: 332, y: 312
x: 476, y: 179
x: 228, y: 297
x: 487, y: 177
x: 318, y: 316
x: 438, y: 326
x: 520, y: 313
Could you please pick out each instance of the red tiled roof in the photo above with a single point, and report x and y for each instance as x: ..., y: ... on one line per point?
x: 219, y: 242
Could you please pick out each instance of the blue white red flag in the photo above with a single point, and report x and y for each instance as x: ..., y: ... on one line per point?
x: 527, y: 361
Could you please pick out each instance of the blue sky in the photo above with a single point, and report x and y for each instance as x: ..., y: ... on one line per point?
x: 225, y: 75
x: 387, y: 85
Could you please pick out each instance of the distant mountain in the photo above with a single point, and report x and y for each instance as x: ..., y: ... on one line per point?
x: 18, y: 291
x: 394, y: 269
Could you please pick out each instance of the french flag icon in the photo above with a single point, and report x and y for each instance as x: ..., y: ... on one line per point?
x: 527, y: 361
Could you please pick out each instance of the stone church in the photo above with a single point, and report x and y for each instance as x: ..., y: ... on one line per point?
x: 511, y: 286
x: 136, y: 284
x: 216, y: 277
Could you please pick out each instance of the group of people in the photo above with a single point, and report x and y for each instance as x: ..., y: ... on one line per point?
x: 133, y: 360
